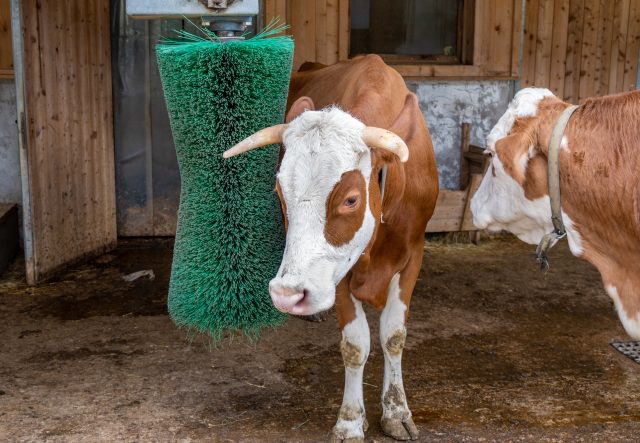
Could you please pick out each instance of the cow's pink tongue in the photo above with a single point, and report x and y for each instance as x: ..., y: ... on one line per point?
x: 286, y: 303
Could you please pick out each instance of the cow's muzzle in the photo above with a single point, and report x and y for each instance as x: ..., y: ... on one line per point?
x: 289, y: 300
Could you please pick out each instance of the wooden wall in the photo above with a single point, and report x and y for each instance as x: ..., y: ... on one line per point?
x: 320, y: 28
x: 67, y: 132
x: 581, y: 48
x: 321, y: 32
x: 6, y: 55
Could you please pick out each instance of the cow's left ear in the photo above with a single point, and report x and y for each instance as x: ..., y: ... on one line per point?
x: 405, y: 123
x: 304, y: 103
x: 513, y: 152
x: 403, y: 126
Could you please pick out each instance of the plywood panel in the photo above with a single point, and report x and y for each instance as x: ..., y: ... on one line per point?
x: 501, y: 36
x: 333, y: 31
x: 589, y: 63
x: 530, y: 43
x: 574, y: 51
x: 543, y: 47
x: 302, y: 18
x: 69, y: 139
x: 593, y: 46
x: 6, y: 54
x: 633, y: 48
x: 343, y: 29
x: 603, y: 49
x: 620, y: 45
x: 559, y: 46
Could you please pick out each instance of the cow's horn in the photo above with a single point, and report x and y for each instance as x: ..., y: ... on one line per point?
x: 263, y: 137
x: 383, y: 139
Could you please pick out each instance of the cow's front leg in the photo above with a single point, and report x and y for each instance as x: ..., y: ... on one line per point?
x: 396, y: 416
x: 354, y: 347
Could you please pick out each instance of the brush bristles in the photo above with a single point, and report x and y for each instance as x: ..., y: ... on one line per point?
x: 230, y: 236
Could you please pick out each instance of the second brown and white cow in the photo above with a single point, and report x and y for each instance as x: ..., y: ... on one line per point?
x: 599, y: 180
x: 345, y: 244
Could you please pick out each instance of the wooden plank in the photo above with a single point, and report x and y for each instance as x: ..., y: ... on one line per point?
x: 500, y: 33
x: 344, y: 26
x: 429, y: 71
x: 603, y: 47
x: 468, y: 26
x: 447, y: 215
x: 482, y: 38
x: 275, y: 9
x: 530, y: 43
x: 574, y: 50
x: 619, y: 45
x: 333, y: 49
x: 467, y: 216
x: 633, y: 48
x: 321, y: 31
x: 6, y: 54
x: 543, y: 46
x: 69, y: 141
x: 516, y: 40
x: 559, y: 47
x: 303, y: 27
x: 588, y: 63
x: 269, y: 10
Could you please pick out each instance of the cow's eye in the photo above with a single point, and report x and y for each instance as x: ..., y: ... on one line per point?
x: 351, y: 201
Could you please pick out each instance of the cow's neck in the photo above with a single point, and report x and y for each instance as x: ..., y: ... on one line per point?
x: 603, y: 216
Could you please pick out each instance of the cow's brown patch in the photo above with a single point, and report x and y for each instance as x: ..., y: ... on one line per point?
x: 536, y: 182
x: 345, y: 208
x: 283, y: 205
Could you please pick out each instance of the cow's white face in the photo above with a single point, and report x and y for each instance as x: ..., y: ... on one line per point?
x: 512, y: 195
x: 323, y: 184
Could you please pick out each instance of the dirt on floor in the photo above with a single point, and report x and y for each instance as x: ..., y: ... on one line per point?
x: 496, y: 351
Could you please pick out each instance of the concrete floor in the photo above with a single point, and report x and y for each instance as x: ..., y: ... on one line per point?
x: 496, y: 351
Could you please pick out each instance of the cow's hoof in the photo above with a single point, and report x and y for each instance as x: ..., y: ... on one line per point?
x: 348, y: 432
x: 400, y: 428
x: 339, y: 437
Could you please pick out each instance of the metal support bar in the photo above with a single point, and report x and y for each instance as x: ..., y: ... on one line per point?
x: 154, y: 9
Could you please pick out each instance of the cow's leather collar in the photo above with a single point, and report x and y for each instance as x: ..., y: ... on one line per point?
x: 553, y: 179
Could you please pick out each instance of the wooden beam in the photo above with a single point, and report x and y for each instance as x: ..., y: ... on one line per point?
x: 530, y: 43
x: 603, y: 48
x: 559, y: 47
x: 543, y: 47
x: 588, y: 63
x: 344, y: 26
x: 633, y: 48
x: 6, y: 53
x: 574, y: 51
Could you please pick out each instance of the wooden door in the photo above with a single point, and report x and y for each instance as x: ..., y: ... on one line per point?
x: 63, y: 78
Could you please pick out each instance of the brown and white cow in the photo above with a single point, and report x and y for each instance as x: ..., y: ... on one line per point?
x: 599, y: 179
x: 337, y: 249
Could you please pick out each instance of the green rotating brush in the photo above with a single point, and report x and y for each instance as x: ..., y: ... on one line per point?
x: 230, y: 236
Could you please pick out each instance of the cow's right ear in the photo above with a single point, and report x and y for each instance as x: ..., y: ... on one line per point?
x: 304, y: 103
x: 513, y: 152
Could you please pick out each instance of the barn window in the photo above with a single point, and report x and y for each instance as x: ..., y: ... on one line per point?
x: 413, y: 31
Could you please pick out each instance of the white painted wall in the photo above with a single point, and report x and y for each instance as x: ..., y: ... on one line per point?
x: 447, y: 104
x: 10, y: 188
